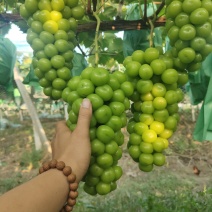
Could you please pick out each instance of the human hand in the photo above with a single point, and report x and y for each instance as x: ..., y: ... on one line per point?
x: 73, y: 148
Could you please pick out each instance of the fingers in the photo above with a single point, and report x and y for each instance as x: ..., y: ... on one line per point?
x: 61, y: 127
x: 84, y: 117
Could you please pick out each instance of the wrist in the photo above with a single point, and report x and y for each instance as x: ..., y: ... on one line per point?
x: 68, y: 180
x: 76, y: 167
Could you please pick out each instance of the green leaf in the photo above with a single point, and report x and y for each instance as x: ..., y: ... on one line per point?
x: 103, y: 59
x: 162, y: 12
x: 11, y: 3
x: 115, y: 45
x: 86, y: 38
x: 7, y: 61
x: 91, y: 60
x: 105, y: 40
x: 158, y: 36
x: 31, y: 78
x: 110, y: 42
x: 109, y: 35
x: 119, y: 57
x: 22, y: 24
x: 5, y: 28
x: 109, y: 13
x: 79, y: 64
x: 135, y: 40
x: 139, y: 40
x: 110, y: 63
x: 133, y: 12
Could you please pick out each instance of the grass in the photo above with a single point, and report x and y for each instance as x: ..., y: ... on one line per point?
x: 31, y: 158
x: 154, y: 192
x: 7, y: 184
x: 172, y: 188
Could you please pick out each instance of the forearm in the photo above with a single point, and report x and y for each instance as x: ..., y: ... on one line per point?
x: 46, y: 192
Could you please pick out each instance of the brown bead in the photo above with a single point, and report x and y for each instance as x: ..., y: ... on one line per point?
x: 68, y: 208
x: 73, y: 186
x: 46, y: 166
x: 71, y: 202
x: 62, y: 210
x: 41, y: 170
x: 71, y: 178
x: 73, y: 194
x: 67, y: 170
x: 60, y: 165
x: 53, y: 163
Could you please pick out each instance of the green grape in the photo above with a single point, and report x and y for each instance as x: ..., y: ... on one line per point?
x: 188, y: 27
x: 154, y: 106
x: 51, y: 34
x: 108, y: 94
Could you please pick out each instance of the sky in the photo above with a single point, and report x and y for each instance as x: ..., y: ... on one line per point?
x: 19, y: 39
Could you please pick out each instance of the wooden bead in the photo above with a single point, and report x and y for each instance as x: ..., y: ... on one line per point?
x: 41, y: 170
x: 53, y: 163
x: 73, y: 194
x: 67, y: 170
x: 68, y: 208
x: 46, y: 166
x: 62, y: 210
x: 60, y: 165
x: 71, y: 201
x: 71, y: 178
x: 73, y: 186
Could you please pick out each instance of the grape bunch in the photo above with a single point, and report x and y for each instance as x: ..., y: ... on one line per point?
x: 51, y: 34
x: 154, y: 105
x: 108, y: 93
x: 189, y: 29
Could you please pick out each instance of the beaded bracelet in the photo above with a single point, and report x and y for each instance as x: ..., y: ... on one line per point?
x: 71, y: 178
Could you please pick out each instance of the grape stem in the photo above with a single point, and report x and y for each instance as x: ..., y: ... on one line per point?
x: 151, y: 35
x: 96, y: 38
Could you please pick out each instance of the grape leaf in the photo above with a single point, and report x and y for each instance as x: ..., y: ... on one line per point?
x: 86, y: 38
x: 31, y: 78
x: 79, y: 64
x: 4, y: 28
x: 22, y: 24
x: 109, y: 13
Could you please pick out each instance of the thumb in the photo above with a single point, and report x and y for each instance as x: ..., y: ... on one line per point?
x: 84, y: 116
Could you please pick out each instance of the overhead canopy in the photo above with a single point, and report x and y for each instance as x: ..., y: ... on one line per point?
x: 7, y: 62
x: 201, y: 89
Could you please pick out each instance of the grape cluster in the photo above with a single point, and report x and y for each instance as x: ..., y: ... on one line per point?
x: 154, y: 106
x: 51, y: 34
x: 108, y: 93
x: 189, y: 29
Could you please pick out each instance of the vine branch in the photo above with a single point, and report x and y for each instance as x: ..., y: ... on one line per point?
x: 96, y: 38
x: 145, y: 10
x: 117, y: 25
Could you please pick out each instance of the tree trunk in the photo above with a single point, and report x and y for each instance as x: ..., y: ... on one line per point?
x: 33, y: 114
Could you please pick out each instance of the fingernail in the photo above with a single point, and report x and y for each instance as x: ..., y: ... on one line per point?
x: 86, y: 103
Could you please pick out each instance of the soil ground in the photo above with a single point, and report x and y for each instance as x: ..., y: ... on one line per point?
x: 183, y: 155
